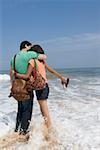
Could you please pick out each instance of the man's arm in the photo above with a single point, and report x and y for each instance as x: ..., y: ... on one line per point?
x: 11, y: 74
x: 42, y: 57
x: 31, y: 54
x: 27, y: 75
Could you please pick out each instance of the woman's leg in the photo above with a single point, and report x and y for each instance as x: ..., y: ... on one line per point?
x: 42, y: 96
x: 45, y: 112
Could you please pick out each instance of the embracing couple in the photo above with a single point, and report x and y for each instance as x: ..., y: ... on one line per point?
x: 24, y: 65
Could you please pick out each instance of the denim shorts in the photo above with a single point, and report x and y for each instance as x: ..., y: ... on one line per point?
x: 43, y: 94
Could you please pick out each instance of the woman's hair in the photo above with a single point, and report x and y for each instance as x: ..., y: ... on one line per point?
x: 23, y: 43
x: 37, y: 49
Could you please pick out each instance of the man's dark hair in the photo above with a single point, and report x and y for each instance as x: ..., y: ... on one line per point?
x: 22, y: 45
x: 37, y: 49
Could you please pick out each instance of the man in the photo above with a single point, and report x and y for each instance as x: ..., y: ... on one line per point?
x: 24, y: 113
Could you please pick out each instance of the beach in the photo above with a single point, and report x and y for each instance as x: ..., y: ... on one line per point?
x: 75, y: 113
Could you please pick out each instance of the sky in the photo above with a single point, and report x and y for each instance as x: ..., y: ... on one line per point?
x: 68, y: 30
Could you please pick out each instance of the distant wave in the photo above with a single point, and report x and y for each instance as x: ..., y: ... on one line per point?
x: 4, y: 77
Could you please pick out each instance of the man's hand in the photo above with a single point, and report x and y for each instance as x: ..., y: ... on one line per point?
x: 42, y: 57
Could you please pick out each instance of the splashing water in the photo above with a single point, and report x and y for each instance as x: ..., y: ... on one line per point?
x: 75, y: 114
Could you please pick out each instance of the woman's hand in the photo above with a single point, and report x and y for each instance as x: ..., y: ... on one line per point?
x: 65, y: 82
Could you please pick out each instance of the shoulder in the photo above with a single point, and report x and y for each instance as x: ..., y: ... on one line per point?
x: 32, y: 54
x: 31, y: 62
x: 39, y: 62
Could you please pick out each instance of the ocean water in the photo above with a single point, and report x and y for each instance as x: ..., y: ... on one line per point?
x: 75, y: 113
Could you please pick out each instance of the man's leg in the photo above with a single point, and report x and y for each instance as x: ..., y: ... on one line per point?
x: 26, y: 114
x: 19, y: 116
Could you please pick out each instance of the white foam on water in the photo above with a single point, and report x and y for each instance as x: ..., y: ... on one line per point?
x: 75, y: 114
x: 4, y: 77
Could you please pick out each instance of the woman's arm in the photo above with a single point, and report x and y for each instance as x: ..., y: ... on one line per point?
x: 27, y: 75
x: 63, y: 80
x: 54, y: 72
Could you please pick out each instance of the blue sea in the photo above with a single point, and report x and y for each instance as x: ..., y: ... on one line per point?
x: 75, y: 112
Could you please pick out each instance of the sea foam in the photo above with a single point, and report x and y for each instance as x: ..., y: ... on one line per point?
x: 75, y: 114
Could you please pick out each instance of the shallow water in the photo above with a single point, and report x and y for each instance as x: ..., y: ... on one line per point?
x: 75, y: 113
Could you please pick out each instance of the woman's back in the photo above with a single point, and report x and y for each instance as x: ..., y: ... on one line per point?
x: 40, y: 66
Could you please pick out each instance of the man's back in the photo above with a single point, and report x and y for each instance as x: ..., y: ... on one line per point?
x: 22, y: 60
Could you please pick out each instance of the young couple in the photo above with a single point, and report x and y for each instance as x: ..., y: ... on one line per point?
x: 24, y: 65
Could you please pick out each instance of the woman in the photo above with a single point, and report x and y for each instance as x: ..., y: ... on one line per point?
x: 42, y: 95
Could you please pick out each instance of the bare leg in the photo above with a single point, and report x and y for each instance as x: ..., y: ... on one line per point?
x: 45, y: 112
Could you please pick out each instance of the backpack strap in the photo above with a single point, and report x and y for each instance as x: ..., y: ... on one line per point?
x: 15, y: 71
x: 35, y: 69
x: 14, y: 63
